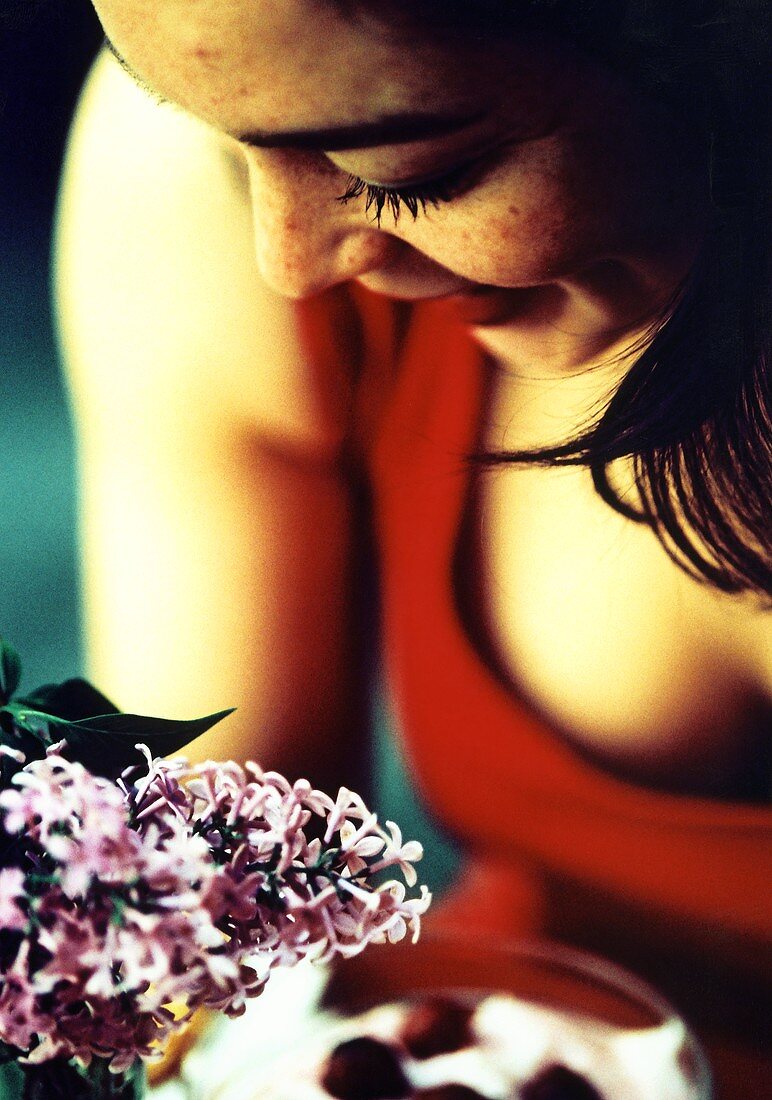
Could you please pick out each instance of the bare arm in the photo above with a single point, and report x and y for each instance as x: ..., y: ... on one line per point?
x: 217, y: 522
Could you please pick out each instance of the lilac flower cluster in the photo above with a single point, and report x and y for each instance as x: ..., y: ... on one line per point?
x: 182, y: 886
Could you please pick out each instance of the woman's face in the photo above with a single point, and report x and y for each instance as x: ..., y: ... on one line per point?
x: 527, y: 164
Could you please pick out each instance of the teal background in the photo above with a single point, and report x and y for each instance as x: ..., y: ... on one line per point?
x: 397, y: 799
x: 45, y: 48
x: 38, y: 602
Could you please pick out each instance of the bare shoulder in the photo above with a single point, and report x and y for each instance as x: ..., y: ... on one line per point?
x: 157, y: 289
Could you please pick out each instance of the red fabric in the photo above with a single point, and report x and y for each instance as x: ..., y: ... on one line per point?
x: 689, y: 877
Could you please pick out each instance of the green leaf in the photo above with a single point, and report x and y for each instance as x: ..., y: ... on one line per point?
x: 10, y: 671
x: 73, y: 700
x: 24, y: 720
x: 159, y: 729
x: 8, y: 1053
x: 59, y: 1079
x: 12, y: 1079
x: 105, y: 743
x: 31, y: 738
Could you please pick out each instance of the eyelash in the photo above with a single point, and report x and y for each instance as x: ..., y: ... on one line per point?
x: 414, y: 198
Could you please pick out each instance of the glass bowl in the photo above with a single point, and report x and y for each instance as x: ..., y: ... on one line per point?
x: 546, y: 1005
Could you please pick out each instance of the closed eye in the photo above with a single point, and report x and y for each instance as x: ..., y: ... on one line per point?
x: 414, y: 197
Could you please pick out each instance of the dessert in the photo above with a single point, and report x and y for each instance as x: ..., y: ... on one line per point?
x: 485, y: 1047
x: 559, y: 1083
x: 436, y: 1025
x: 449, y: 1092
x: 364, y: 1069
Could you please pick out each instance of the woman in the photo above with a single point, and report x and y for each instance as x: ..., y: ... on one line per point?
x: 477, y: 286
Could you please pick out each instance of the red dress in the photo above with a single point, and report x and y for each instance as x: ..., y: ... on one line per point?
x: 675, y: 886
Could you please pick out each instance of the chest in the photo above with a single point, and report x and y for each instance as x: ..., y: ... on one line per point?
x: 592, y: 624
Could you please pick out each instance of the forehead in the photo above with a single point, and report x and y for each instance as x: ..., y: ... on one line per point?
x: 225, y: 59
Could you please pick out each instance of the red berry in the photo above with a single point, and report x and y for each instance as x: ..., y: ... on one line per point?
x: 559, y: 1083
x: 449, y: 1092
x: 364, y: 1069
x: 436, y: 1026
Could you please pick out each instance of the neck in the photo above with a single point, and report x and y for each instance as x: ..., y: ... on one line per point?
x: 576, y: 322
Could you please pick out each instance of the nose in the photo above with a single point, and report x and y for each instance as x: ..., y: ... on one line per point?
x: 306, y: 241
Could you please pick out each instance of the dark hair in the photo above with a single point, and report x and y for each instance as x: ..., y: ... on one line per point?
x: 694, y: 411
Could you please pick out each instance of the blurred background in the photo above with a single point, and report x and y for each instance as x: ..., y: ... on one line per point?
x: 46, y: 47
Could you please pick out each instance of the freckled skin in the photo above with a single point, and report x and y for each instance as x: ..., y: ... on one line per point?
x: 573, y: 175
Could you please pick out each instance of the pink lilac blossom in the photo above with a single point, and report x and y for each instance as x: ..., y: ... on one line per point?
x: 182, y: 885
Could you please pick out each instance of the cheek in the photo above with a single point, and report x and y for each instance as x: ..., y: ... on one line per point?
x: 529, y: 228
x: 507, y: 250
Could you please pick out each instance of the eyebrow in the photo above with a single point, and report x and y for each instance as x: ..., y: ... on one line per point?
x: 394, y: 129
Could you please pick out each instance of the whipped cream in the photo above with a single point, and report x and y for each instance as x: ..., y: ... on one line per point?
x: 512, y: 1041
